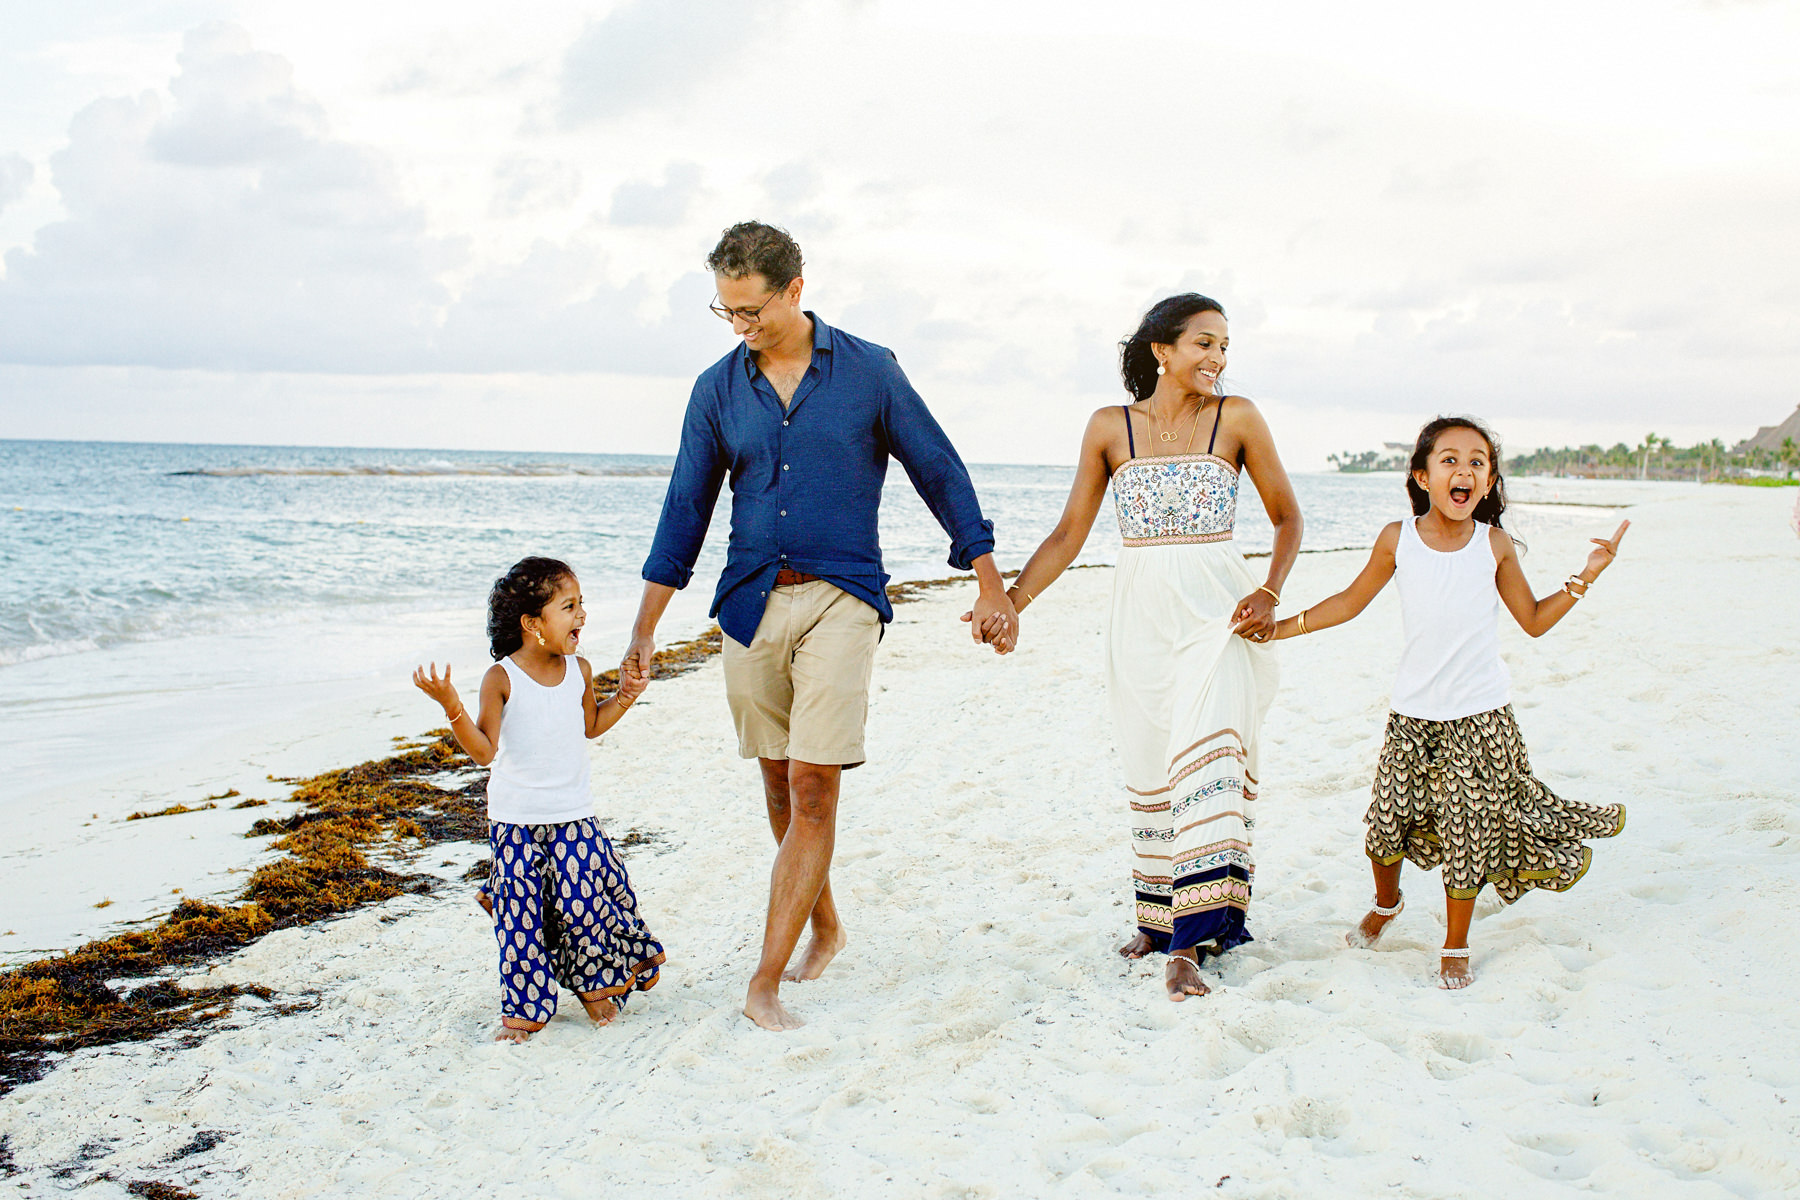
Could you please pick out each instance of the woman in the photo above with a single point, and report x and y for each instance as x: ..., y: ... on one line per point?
x: 1188, y: 697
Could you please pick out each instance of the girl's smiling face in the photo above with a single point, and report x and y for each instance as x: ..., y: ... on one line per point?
x: 1458, y: 473
x: 560, y: 620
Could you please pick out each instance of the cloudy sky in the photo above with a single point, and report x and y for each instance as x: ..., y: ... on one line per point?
x: 345, y: 224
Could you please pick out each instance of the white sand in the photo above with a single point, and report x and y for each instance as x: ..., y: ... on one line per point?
x: 1635, y: 1037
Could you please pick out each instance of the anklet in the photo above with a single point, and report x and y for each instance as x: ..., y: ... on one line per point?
x: 1462, y: 952
x: 1375, y: 906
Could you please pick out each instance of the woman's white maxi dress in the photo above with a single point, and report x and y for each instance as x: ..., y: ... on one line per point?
x: 1188, y: 696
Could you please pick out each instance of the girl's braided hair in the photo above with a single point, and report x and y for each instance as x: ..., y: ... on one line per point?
x: 521, y: 592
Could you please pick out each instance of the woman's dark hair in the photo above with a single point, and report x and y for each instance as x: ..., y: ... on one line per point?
x: 1162, y: 326
x: 521, y: 592
x: 1492, y: 505
x: 752, y: 248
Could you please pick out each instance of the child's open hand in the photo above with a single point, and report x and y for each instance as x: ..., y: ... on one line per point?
x: 1606, y: 549
x: 441, y: 690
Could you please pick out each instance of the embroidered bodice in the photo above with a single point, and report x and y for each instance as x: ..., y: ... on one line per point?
x: 1175, y: 499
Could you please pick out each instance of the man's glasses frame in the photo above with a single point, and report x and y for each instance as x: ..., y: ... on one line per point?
x: 751, y: 316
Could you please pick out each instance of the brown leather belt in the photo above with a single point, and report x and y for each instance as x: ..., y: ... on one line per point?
x: 787, y: 578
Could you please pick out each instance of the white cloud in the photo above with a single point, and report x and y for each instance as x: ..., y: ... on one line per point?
x: 1403, y: 206
x: 16, y: 174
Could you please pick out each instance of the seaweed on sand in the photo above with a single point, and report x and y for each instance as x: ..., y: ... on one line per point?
x: 81, y: 998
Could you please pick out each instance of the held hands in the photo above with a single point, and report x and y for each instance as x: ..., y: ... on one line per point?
x: 634, y: 669
x: 632, y: 684
x: 1254, y: 617
x: 441, y: 690
x: 994, y: 621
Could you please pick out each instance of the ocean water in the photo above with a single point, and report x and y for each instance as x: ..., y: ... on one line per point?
x: 103, y: 544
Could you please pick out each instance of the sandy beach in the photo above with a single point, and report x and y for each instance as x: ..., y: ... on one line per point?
x: 979, y: 1038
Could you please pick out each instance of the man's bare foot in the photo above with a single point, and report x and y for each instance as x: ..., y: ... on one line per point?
x: 1454, y: 973
x: 517, y: 1029
x: 1137, y: 947
x: 819, y: 953
x: 1182, y: 978
x: 600, y: 1009
x: 763, y: 1005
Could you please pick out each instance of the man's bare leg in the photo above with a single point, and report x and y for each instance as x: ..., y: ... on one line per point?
x: 827, y: 930
x: 795, y: 884
x: 1454, y: 973
x: 1387, y: 895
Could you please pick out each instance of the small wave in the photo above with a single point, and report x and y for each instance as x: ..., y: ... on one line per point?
x: 428, y: 470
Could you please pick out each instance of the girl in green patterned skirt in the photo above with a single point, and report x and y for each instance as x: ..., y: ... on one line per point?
x: 1453, y: 786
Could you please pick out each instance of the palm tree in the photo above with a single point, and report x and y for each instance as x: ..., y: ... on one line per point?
x: 1651, y: 442
x: 1790, y: 455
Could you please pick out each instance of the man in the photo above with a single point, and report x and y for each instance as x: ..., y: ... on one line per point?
x: 802, y: 418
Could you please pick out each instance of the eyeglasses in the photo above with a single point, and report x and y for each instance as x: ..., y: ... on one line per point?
x: 750, y: 316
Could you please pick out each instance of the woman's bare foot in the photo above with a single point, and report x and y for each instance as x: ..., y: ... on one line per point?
x: 482, y: 898
x: 1182, y: 977
x: 517, y: 1029
x: 1454, y: 972
x: 600, y: 1008
x: 763, y: 1005
x: 1137, y: 947
x: 819, y: 953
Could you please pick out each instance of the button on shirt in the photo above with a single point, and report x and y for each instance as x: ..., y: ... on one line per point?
x: 806, y: 480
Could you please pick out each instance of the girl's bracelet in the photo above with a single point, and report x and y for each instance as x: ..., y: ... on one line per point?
x: 1573, y: 582
x: 618, y: 698
x: 461, y: 712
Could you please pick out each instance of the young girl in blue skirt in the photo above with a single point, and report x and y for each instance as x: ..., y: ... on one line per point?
x: 1453, y: 786
x: 550, y: 856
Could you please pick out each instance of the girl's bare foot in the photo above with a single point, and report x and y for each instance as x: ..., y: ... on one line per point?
x: 1368, y: 932
x: 600, y: 1008
x: 1182, y: 978
x: 482, y: 898
x: 1453, y: 969
x: 1137, y: 947
x: 819, y: 953
x: 517, y: 1029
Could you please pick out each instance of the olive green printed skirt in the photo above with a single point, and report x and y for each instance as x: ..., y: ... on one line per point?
x: 1460, y: 794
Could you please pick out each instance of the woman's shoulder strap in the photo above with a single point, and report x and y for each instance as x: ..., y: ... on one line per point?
x: 1217, y: 417
x: 1130, y: 440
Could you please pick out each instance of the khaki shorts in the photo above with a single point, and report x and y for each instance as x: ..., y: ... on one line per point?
x: 800, y: 689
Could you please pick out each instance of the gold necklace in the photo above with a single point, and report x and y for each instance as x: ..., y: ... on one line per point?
x: 1171, y: 435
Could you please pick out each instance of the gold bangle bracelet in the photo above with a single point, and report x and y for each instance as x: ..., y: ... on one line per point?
x: 460, y: 714
x: 621, y: 701
x: 1300, y: 623
x: 1263, y: 587
x: 1029, y: 598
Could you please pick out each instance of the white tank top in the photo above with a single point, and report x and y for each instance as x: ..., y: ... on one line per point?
x: 539, y: 775
x: 1450, y: 610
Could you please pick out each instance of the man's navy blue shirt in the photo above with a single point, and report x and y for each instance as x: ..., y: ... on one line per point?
x: 806, y: 481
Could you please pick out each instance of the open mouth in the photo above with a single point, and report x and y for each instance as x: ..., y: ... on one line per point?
x: 1461, y: 495
x: 574, y: 636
